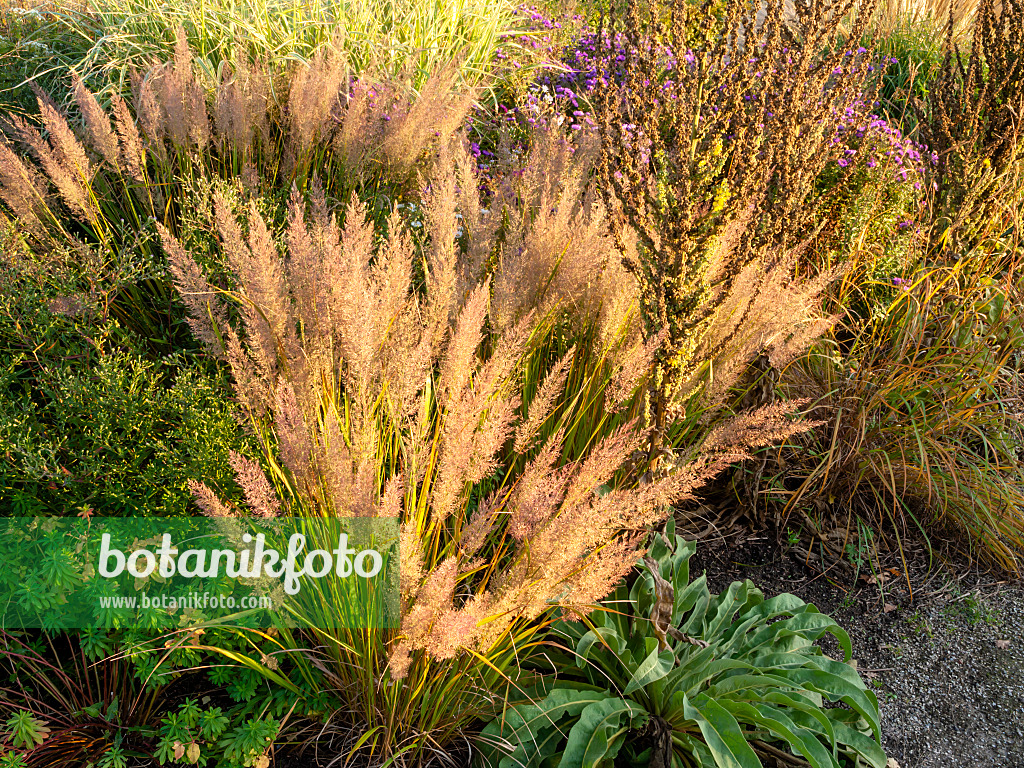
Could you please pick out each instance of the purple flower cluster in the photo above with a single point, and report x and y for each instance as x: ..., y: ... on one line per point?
x: 559, y: 95
x: 539, y: 35
x: 882, y: 145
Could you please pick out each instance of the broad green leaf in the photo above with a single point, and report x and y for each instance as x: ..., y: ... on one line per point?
x: 721, y: 733
x: 527, y: 733
x: 860, y: 743
x: 654, y: 667
x: 736, y: 683
x: 607, y: 640
x: 802, y: 740
x: 599, y: 734
x: 685, y: 599
x: 838, y: 688
x: 797, y: 702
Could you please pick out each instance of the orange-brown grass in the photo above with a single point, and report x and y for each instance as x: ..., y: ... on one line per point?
x: 923, y: 418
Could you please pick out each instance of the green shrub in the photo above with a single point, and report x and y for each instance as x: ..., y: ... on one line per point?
x: 666, y: 673
x: 89, y: 420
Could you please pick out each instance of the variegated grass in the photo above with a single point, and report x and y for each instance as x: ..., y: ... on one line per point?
x: 403, y: 38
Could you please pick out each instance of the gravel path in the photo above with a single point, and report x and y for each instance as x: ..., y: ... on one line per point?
x: 947, y: 667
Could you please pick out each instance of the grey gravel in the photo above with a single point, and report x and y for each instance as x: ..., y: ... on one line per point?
x: 947, y: 666
x: 954, y: 697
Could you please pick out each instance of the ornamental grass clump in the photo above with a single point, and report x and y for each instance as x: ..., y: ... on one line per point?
x: 390, y: 400
x: 105, y: 41
x: 419, y: 371
x: 94, y: 183
x: 924, y: 434
x: 921, y: 380
x: 894, y: 17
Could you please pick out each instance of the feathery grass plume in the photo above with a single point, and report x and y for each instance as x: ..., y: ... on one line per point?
x: 208, y: 501
x: 633, y: 367
x: 22, y: 189
x: 438, y: 111
x: 480, y: 225
x: 148, y: 109
x: 267, y: 304
x: 292, y: 431
x: 206, y: 310
x: 710, y: 157
x: 313, y: 97
x: 541, y: 405
x: 259, y: 494
x: 556, y: 247
x: 766, y: 311
x: 132, y: 153
x: 101, y: 134
x: 354, y: 132
x: 182, y: 98
x: 242, y: 106
x: 971, y: 120
x: 461, y: 352
x: 62, y: 158
x: 361, y: 131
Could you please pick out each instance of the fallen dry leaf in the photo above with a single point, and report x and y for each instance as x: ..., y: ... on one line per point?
x: 888, y: 607
x: 1002, y: 644
x: 268, y: 661
x: 892, y: 763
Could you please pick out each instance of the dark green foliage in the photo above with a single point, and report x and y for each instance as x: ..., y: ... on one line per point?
x: 88, y: 420
x: 107, y: 699
x: 666, y: 673
x: 202, y: 735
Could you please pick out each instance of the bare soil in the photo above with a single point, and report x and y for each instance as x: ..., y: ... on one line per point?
x: 942, y: 646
